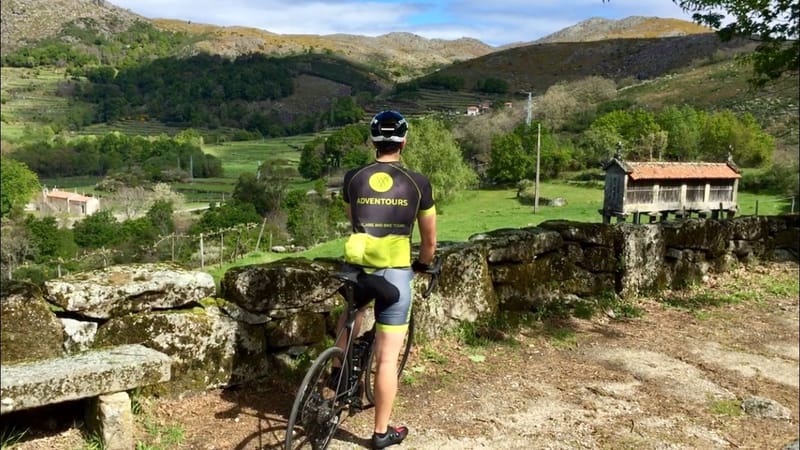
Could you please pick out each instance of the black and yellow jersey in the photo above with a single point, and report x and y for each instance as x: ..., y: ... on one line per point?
x: 385, y: 200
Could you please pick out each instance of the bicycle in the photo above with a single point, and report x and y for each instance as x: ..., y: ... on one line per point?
x: 320, y: 403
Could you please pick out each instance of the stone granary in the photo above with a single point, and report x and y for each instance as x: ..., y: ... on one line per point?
x: 660, y: 188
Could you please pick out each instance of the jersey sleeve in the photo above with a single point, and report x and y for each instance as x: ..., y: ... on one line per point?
x: 346, y: 186
x: 426, y: 203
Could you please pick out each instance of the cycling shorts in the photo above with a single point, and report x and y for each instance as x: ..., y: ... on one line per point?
x: 391, y: 291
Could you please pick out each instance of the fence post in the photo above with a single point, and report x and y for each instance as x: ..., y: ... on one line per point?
x: 756, y: 207
x: 793, y: 197
x: 261, y: 233
x: 236, y: 247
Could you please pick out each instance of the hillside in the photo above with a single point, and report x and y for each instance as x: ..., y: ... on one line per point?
x: 398, y: 55
x: 26, y: 21
x: 600, y: 29
x: 537, y: 67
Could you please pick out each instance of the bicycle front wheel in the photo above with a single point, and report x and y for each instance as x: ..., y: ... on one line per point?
x: 317, y: 410
x: 372, y: 364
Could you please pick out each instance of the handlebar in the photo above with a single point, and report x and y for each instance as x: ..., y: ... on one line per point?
x: 434, y: 271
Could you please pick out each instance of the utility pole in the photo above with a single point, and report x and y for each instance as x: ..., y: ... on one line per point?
x: 538, y: 150
x: 530, y: 107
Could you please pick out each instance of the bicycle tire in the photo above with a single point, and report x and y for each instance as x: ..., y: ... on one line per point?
x: 369, y: 373
x: 316, y: 407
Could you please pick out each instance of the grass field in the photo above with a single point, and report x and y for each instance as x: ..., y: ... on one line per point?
x: 245, y: 156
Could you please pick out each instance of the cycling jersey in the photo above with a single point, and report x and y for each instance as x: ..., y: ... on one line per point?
x: 385, y: 200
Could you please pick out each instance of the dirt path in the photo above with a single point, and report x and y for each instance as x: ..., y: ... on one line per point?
x: 674, y: 378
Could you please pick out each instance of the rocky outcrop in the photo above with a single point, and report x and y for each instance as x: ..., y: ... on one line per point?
x: 119, y: 290
x: 29, y: 330
x: 281, y: 288
x: 208, y: 349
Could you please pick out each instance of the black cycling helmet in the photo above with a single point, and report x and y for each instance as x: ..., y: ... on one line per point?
x: 388, y: 126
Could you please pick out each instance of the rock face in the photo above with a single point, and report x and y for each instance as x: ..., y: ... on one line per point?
x: 282, y: 287
x: 119, y: 290
x: 204, y: 345
x: 29, y: 331
x: 267, y: 317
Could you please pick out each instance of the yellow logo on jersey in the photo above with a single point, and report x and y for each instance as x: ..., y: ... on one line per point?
x: 380, y: 182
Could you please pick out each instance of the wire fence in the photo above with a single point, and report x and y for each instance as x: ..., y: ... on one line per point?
x: 224, y: 245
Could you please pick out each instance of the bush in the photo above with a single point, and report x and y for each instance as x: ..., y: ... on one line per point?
x: 776, y: 179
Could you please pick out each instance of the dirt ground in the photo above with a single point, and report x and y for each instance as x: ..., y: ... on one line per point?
x: 675, y: 377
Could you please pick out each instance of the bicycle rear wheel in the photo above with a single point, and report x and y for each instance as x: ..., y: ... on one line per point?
x: 316, y: 408
x: 372, y: 365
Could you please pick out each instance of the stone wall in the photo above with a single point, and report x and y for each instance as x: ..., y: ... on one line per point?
x: 264, y: 316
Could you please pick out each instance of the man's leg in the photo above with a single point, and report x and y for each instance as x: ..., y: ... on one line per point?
x: 387, y: 350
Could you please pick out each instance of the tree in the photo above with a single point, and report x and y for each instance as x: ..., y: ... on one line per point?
x: 226, y: 215
x: 774, y: 24
x: 637, y: 129
x: 160, y: 216
x: 265, y: 188
x: 16, y: 246
x: 433, y: 151
x: 18, y: 184
x: 50, y: 241
x: 101, y: 229
x: 683, y: 126
x: 510, y: 162
x: 743, y: 138
x: 474, y: 136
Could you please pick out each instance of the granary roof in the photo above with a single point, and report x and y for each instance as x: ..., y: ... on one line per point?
x: 681, y: 171
x: 655, y: 170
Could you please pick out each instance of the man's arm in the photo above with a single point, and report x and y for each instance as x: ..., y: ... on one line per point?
x: 427, y: 234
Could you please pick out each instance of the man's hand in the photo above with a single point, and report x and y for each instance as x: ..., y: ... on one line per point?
x: 417, y: 266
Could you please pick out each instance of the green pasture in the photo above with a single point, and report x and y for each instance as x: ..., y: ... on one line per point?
x: 28, y: 97
x: 245, y: 156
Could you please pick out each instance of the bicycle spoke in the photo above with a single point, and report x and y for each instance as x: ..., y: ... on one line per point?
x: 316, y: 410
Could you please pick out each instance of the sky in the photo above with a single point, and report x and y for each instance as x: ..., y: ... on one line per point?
x: 494, y: 22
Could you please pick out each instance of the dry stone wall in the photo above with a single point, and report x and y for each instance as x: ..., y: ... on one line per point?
x: 264, y: 316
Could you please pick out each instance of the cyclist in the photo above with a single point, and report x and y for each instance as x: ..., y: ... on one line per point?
x: 383, y: 201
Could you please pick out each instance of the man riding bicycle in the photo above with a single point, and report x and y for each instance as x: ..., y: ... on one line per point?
x: 383, y: 200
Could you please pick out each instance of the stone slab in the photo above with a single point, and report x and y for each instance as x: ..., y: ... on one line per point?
x: 84, y: 375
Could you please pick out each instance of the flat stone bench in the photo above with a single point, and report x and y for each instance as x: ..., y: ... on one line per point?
x: 103, y: 375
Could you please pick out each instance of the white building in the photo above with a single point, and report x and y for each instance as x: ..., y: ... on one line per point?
x: 56, y: 200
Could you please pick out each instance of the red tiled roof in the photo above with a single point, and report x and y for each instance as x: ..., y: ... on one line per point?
x: 71, y: 196
x: 682, y: 171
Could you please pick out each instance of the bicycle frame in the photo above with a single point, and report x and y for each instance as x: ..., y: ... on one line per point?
x: 349, y: 382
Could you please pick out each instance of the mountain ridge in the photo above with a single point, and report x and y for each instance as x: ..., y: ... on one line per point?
x: 401, y: 55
